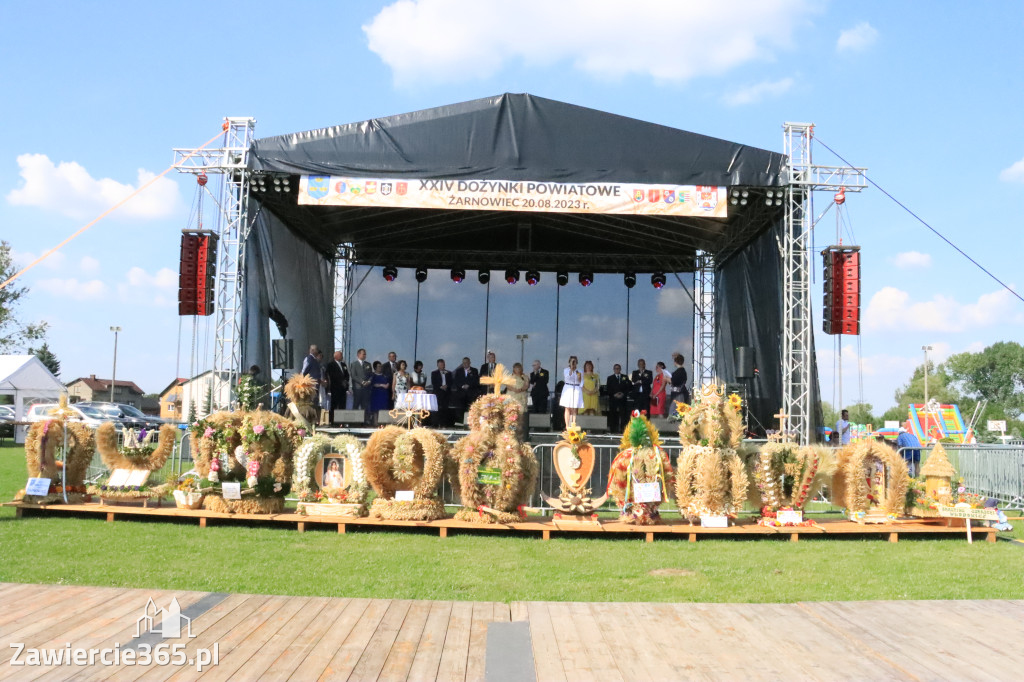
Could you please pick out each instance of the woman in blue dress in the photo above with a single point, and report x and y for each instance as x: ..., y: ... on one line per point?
x: 380, y: 391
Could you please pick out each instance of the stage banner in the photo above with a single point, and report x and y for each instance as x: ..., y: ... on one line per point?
x: 507, y: 195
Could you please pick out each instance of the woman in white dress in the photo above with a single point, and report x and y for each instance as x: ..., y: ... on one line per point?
x: 400, y: 384
x: 572, y: 392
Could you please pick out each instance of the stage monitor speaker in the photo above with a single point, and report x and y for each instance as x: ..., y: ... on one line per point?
x: 540, y: 421
x: 282, y: 351
x: 743, y: 356
x: 349, y: 416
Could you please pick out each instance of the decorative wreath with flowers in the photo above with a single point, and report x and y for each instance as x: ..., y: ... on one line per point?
x: 138, y: 451
x: 43, y: 443
x: 254, y: 449
x: 711, y: 478
x: 641, y: 460
x: 859, y: 468
x: 495, y: 472
x: 400, y: 459
x: 309, y: 453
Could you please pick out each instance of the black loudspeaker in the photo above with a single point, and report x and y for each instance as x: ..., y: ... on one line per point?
x: 743, y: 356
x: 282, y: 352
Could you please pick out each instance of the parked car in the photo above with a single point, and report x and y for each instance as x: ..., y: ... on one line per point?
x: 6, y: 413
x: 131, y: 417
x: 83, y: 413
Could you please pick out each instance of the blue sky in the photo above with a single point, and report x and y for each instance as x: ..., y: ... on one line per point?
x: 927, y: 96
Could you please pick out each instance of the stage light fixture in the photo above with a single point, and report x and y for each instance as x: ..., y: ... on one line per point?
x: 562, y: 278
x: 390, y: 273
x: 658, y: 280
x: 484, y: 276
x: 733, y: 201
x: 778, y: 201
x: 532, y: 277
x: 458, y: 274
x: 586, y: 278
x: 421, y: 275
x: 770, y: 194
x: 629, y: 279
x: 735, y: 193
x: 511, y: 276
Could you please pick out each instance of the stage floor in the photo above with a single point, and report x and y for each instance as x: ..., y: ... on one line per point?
x: 334, y: 638
x: 544, y: 527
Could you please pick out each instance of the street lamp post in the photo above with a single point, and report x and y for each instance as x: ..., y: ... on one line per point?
x: 113, y: 377
x: 926, y: 349
x: 521, y: 338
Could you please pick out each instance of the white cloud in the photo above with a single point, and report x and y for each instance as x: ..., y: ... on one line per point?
x: 674, y: 302
x: 891, y: 308
x: 860, y: 37
x: 89, y: 265
x: 72, y: 288
x: 55, y: 261
x: 755, y: 93
x: 69, y: 189
x: 140, y: 286
x: 912, y: 259
x: 453, y: 40
x: 1014, y: 173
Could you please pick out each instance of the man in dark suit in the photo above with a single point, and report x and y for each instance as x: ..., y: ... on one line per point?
x: 619, y: 387
x: 389, y: 369
x: 487, y: 370
x: 360, y: 380
x: 441, y: 384
x: 467, y: 383
x: 337, y: 383
x: 539, y: 390
x: 311, y: 368
x: 642, y: 378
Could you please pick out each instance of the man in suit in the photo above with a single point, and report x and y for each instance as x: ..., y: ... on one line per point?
x: 312, y: 369
x: 389, y: 369
x: 539, y: 391
x: 441, y: 383
x: 642, y: 378
x: 487, y: 369
x: 467, y: 383
x: 337, y: 383
x: 360, y: 379
x: 619, y: 387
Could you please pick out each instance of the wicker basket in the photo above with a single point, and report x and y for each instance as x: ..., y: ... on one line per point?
x: 186, y: 500
x: 330, y: 509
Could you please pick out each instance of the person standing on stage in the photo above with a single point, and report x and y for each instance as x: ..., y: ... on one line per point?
x: 338, y: 383
x: 618, y: 387
x: 441, y: 383
x: 517, y: 391
x: 572, y: 391
x: 539, y: 391
x: 679, y: 391
x: 487, y: 369
x: 591, y: 389
x: 380, y: 391
x: 467, y: 383
x: 642, y: 379
x: 388, y: 369
x: 400, y: 383
x: 843, y: 431
x: 312, y: 369
x: 417, y: 377
x: 325, y: 400
x: 360, y: 380
x: 659, y: 390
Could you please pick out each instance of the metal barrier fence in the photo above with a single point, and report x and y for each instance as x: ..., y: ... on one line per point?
x: 991, y: 470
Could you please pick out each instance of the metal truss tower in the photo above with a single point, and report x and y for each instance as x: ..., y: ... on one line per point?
x: 343, y: 287
x: 703, y: 320
x: 795, y: 243
x: 229, y: 162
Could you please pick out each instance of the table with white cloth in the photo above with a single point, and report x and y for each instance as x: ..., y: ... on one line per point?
x: 416, y: 400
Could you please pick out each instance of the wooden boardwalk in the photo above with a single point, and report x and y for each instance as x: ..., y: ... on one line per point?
x: 260, y: 637
x: 544, y: 527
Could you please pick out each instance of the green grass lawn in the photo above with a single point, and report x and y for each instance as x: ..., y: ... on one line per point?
x: 471, y: 566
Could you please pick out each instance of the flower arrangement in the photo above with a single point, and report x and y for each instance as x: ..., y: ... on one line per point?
x: 138, y: 450
x: 711, y: 477
x: 495, y: 472
x: 786, y: 476
x: 44, y: 441
x: 641, y: 460
x: 247, y: 393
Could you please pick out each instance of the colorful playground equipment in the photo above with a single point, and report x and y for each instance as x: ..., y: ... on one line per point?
x: 935, y: 422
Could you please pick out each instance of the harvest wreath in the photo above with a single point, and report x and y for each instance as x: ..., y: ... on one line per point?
x: 641, y: 466
x: 67, y: 477
x: 860, y: 470
x: 408, y: 460
x: 348, y: 500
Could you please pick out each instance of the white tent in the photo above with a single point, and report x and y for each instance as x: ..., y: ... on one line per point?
x: 28, y: 381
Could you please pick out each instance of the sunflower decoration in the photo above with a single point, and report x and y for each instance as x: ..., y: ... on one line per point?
x: 575, y: 435
x: 735, y: 401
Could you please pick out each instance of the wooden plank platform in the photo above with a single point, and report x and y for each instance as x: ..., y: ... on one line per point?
x: 673, y: 528
x: 327, y: 638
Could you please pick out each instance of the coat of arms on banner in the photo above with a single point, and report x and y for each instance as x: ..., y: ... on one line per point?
x: 707, y: 198
x: 670, y: 196
x: 653, y: 195
x: 371, y: 186
x: 385, y: 188
x: 340, y: 187
x: 318, y: 186
x: 401, y: 188
x: 638, y: 195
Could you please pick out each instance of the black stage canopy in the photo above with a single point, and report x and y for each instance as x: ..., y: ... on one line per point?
x: 520, y: 138
x: 517, y: 137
